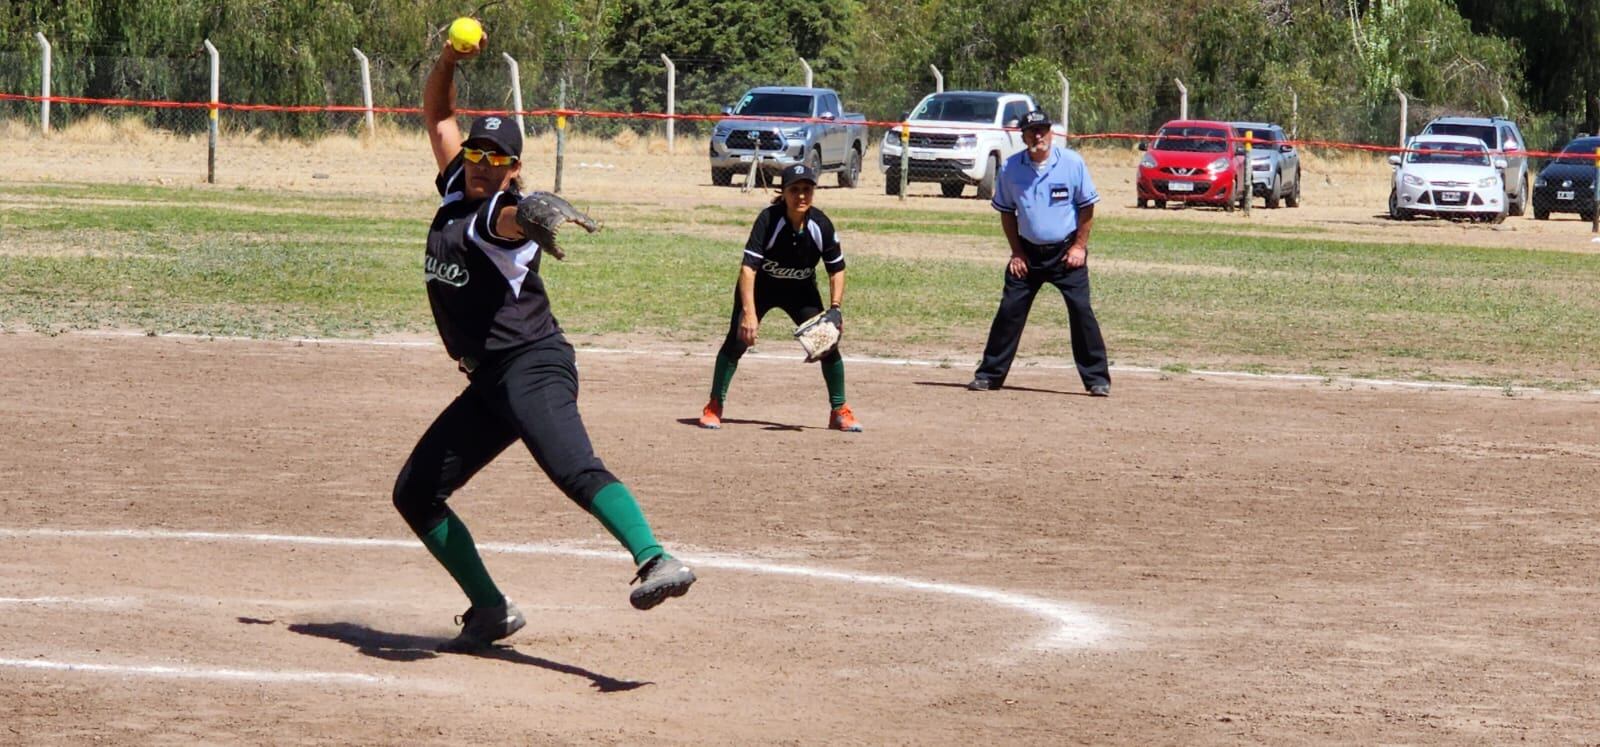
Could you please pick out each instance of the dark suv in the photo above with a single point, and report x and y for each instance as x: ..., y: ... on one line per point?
x: 1504, y: 141
x: 1566, y: 184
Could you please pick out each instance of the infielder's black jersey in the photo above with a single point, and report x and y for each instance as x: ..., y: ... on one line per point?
x: 781, y: 253
x: 485, y: 289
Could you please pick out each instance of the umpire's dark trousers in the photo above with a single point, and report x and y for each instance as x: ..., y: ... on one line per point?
x: 1088, y: 347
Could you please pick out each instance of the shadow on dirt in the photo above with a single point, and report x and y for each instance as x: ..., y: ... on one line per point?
x: 1006, y: 388
x: 766, y: 425
x: 405, y: 647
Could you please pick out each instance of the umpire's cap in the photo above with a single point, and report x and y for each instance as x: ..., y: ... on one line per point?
x: 499, y: 132
x: 1035, y: 118
x: 798, y: 173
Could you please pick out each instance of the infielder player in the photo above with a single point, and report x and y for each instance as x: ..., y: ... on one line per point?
x: 489, y: 303
x: 779, y: 271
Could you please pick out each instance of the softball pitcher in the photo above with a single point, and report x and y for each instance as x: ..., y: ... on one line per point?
x: 779, y: 270
x: 489, y: 303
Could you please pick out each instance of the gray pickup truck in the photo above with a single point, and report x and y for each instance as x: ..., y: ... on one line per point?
x: 766, y: 128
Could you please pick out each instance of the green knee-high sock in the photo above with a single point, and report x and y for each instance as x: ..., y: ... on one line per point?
x: 721, y: 377
x: 833, y: 373
x: 451, y: 544
x: 619, y: 512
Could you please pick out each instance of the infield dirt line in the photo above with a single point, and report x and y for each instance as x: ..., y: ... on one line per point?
x: 903, y: 362
x: 1075, y: 627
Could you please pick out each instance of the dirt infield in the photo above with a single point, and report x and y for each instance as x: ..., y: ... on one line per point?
x: 1189, y: 562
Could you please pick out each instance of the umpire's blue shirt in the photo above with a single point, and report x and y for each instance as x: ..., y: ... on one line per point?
x: 1045, y: 201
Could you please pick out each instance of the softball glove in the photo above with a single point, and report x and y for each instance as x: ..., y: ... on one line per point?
x: 819, y: 335
x: 541, y: 215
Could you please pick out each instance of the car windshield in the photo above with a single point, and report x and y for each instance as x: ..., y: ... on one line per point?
x: 1580, y: 152
x: 1193, y: 139
x: 1458, y: 154
x: 774, y: 105
x: 1481, y: 132
x: 958, y: 109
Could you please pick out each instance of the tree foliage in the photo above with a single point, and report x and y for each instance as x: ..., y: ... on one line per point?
x: 1331, y: 66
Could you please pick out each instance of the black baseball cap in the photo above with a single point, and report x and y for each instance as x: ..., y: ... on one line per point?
x: 798, y: 173
x: 495, y: 130
x: 1036, y: 118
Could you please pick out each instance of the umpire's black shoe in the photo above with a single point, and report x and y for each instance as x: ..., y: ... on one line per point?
x: 1100, y: 390
x: 982, y: 385
x: 660, y: 577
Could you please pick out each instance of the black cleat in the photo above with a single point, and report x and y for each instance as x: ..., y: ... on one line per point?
x: 660, y: 577
x: 480, y: 628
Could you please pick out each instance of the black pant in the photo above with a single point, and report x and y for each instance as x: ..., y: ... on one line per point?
x: 798, y: 298
x: 1088, y: 348
x: 529, y: 394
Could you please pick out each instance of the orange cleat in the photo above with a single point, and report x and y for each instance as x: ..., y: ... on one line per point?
x: 711, y: 417
x: 842, y: 419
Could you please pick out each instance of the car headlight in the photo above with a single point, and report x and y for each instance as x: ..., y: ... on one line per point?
x: 796, y: 133
x: 1415, y: 181
x: 1540, y: 182
x: 892, y: 136
x: 721, y: 131
x: 965, y: 142
x: 1148, y: 162
x: 1221, y: 164
x: 1489, y: 181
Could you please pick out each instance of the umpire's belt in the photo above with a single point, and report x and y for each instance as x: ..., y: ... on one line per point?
x: 1044, y: 253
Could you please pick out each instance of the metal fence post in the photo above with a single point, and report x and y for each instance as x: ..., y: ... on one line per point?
x: 938, y: 79
x: 366, y: 89
x: 672, y: 100
x: 1404, y: 106
x: 1066, y: 103
x: 44, y: 77
x: 905, y: 158
x: 211, y: 149
x: 561, y: 131
x: 1183, y: 99
x: 1248, y: 175
x: 1294, y: 115
x: 516, y: 91
x: 807, y: 67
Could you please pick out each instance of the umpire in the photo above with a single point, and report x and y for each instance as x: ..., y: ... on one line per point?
x: 1046, y: 203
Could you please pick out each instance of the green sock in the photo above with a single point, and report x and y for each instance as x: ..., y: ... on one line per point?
x: 451, y: 544
x: 619, y: 512
x: 833, y: 373
x: 722, y: 376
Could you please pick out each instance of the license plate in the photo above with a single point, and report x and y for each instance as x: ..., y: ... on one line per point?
x: 1449, y: 196
x: 1565, y: 195
x: 746, y: 158
x: 1180, y: 186
x: 923, y: 155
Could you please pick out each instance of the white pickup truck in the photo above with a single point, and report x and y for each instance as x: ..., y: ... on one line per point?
x: 957, y: 138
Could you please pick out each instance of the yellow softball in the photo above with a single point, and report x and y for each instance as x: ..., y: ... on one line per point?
x: 466, y: 34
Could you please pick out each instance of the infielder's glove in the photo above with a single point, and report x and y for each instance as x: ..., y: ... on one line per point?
x: 819, y: 335
x: 541, y: 215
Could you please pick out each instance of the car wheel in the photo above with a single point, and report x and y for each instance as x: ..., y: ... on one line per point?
x: 1539, y: 214
x: 850, y: 178
x: 1143, y: 203
x: 1520, y: 207
x: 1587, y: 217
x: 1293, y: 198
x: 1228, y: 202
x: 891, y: 182
x: 814, y: 160
x: 990, y: 173
x: 1395, y: 211
x: 1161, y: 204
x: 950, y: 188
x: 721, y: 177
x: 1272, y: 194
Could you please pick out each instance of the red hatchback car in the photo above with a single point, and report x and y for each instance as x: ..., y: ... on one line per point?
x: 1192, y: 160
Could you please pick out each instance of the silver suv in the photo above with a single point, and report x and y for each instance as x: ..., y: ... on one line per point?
x: 1504, y: 141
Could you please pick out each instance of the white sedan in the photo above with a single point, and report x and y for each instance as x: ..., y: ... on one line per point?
x: 1448, y: 176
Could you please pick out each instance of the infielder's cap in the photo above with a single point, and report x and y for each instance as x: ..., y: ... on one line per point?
x: 798, y: 173
x: 497, y: 131
x: 1036, y: 118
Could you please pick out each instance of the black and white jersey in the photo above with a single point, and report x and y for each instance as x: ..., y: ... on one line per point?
x: 778, y: 252
x: 485, y: 289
